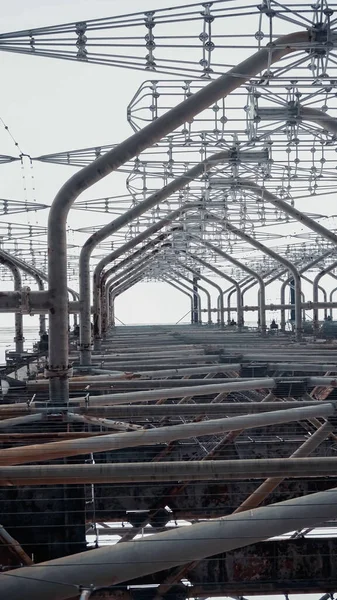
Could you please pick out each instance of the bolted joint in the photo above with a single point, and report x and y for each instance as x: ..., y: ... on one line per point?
x: 83, y: 347
x: 58, y: 372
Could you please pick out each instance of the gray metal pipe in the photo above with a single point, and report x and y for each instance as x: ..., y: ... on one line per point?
x: 248, y: 270
x: 117, y: 291
x: 18, y: 339
x: 207, y: 280
x: 111, y: 565
x: 24, y: 420
x: 112, y: 160
x: 145, y: 235
x: 195, y: 293
x: 148, y: 395
x: 105, y: 443
x: 159, y: 394
x: 256, y: 244
x: 229, y: 298
x: 315, y: 292
x: 113, y: 226
x: 192, y: 470
x: 36, y: 274
x: 143, y: 411
x: 117, y: 278
x: 331, y: 295
x: 177, y: 287
x: 98, y: 295
x: 197, y: 273
x: 302, y: 270
x: 221, y: 304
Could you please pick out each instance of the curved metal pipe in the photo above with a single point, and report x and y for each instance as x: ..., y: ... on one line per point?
x: 302, y: 270
x: 315, y: 293
x: 18, y: 319
x: 99, y: 298
x: 259, y: 279
x: 36, y: 274
x: 206, y: 292
x: 256, y: 244
x: 221, y: 310
x: 176, y: 286
x: 331, y: 300
x: 144, y: 235
x: 128, y: 271
x: 117, y: 291
x: 204, y: 278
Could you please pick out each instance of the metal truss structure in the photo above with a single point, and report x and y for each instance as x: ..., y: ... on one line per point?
x: 194, y: 460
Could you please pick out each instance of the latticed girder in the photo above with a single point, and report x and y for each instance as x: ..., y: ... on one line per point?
x: 9, y: 206
x: 190, y: 40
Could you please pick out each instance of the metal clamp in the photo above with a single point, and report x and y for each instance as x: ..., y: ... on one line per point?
x: 26, y: 308
x: 58, y: 372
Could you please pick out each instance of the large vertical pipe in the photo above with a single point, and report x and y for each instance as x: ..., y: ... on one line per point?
x: 195, y: 291
x: 201, y: 276
x: 128, y: 271
x: 196, y: 301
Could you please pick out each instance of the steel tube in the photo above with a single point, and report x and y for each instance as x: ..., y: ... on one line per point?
x: 192, y: 470
x: 315, y: 292
x: 142, y: 411
x: 221, y: 304
x: 24, y: 420
x: 197, y: 390
x: 302, y: 270
x: 268, y: 486
x: 237, y: 263
x: 18, y: 339
x: 98, y: 293
x: 36, y: 274
x: 104, y: 443
x: 110, y: 565
x: 256, y: 244
x: 176, y: 286
x: 195, y: 295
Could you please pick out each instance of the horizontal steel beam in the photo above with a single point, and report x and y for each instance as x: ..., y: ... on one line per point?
x: 104, y: 443
x: 210, y: 470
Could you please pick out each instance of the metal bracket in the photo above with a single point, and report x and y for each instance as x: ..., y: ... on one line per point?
x: 58, y: 372
x: 26, y: 308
